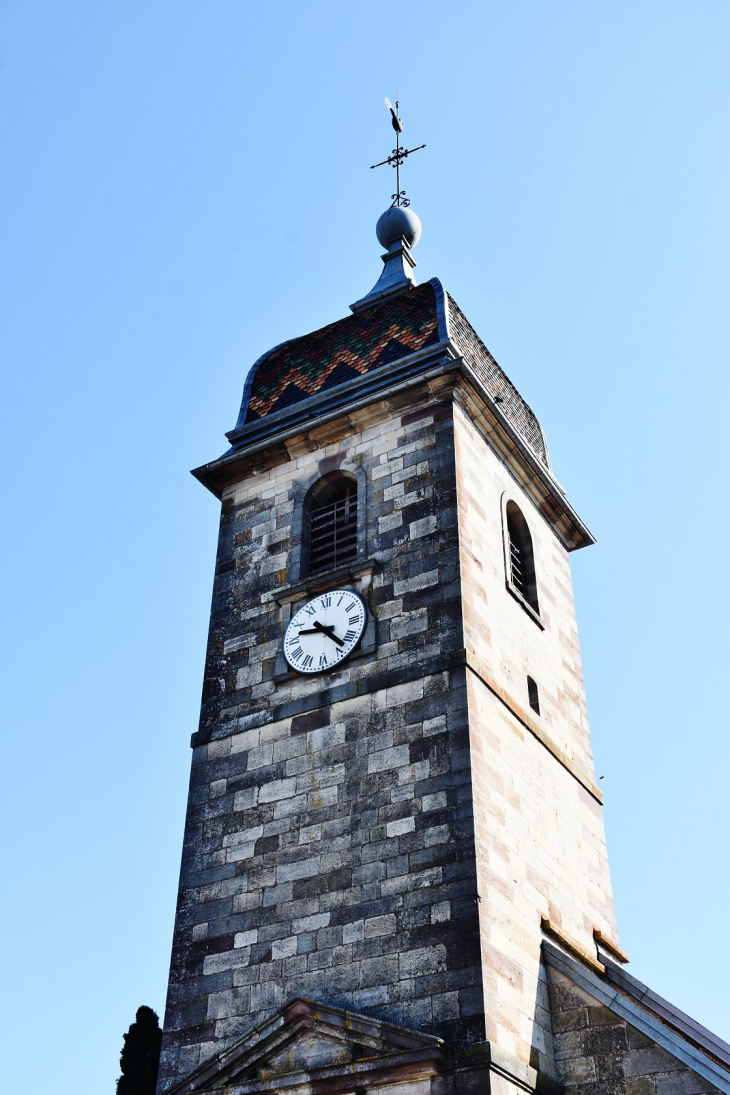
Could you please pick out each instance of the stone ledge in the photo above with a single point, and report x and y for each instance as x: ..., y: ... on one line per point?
x: 571, y: 944
x: 327, y: 579
x: 609, y: 945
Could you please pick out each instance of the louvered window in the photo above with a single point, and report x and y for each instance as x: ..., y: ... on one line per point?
x: 521, y: 564
x: 333, y: 530
x: 516, y: 564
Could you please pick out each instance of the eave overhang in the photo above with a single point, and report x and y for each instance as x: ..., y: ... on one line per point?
x: 267, y: 437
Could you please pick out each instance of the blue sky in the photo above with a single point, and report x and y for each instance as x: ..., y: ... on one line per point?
x: 186, y: 184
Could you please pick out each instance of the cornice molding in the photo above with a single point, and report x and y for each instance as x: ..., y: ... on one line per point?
x: 381, y: 385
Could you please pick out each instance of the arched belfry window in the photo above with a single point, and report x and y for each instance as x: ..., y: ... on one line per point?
x: 330, y: 523
x: 521, y: 558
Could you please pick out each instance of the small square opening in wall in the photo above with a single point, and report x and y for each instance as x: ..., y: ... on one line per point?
x: 533, y: 696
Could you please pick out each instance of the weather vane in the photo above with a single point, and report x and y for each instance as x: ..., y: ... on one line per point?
x: 398, y: 155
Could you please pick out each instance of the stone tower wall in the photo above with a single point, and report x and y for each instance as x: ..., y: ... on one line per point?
x: 329, y: 847
x: 330, y: 840
x: 539, y: 832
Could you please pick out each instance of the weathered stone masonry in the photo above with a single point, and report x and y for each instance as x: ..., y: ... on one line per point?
x: 627, y: 1042
x: 329, y: 843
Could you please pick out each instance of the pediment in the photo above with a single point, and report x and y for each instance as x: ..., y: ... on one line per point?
x: 305, y: 1044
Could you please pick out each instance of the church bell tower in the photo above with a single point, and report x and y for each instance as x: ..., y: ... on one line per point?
x: 394, y: 873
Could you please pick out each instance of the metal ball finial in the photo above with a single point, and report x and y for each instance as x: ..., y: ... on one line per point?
x: 397, y: 223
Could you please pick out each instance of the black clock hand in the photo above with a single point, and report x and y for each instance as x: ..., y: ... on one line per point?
x: 329, y: 631
x: 324, y: 629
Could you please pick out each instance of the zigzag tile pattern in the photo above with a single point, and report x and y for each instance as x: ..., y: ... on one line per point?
x: 344, y: 350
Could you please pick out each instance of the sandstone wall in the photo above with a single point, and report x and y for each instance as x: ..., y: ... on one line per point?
x: 539, y: 832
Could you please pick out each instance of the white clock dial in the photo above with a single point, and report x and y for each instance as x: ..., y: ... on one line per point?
x: 324, y: 631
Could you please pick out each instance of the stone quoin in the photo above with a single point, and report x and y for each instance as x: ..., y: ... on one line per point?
x: 394, y: 874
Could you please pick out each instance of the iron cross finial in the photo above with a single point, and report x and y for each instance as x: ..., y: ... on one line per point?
x: 398, y: 155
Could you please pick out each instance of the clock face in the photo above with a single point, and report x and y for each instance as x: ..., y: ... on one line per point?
x: 324, y: 631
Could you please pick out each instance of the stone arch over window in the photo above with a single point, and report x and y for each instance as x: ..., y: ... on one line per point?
x: 520, y: 556
x: 330, y: 520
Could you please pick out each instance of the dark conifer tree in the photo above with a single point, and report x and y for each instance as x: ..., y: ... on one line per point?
x: 140, y: 1057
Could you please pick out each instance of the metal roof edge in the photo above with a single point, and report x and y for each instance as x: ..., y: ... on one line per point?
x: 684, y: 1023
x: 650, y: 1025
x: 301, y: 411
x: 442, y: 312
x: 406, y: 373
x: 248, y: 383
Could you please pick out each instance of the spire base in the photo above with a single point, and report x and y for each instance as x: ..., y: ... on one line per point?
x: 397, y: 275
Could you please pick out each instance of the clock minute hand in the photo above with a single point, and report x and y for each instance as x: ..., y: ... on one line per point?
x: 329, y: 631
x: 324, y: 629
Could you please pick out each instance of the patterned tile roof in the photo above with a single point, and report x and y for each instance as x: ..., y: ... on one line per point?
x: 380, y: 335
x: 343, y: 350
x: 497, y: 383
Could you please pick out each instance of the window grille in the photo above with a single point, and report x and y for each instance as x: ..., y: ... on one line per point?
x: 515, y: 559
x: 333, y: 531
x: 521, y: 564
